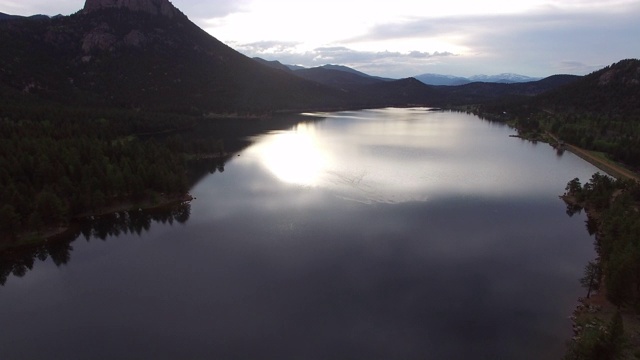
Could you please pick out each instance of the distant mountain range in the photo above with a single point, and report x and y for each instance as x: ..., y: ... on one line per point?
x: 450, y: 80
x: 445, y: 90
x: 336, y: 76
x: 4, y: 16
x: 599, y: 111
x: 146, y: 54
x: 429, y: 79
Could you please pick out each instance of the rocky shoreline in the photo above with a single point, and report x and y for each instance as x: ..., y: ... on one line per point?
x: 600, y: 328
x: 585, y: 316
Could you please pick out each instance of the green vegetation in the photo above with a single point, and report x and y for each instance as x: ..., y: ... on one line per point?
x: 600, y: 112
x: 58, y: 163
x: 612, y: 206
x: 598, y: 340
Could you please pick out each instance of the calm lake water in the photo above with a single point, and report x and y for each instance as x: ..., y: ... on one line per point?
x: 376, y: 234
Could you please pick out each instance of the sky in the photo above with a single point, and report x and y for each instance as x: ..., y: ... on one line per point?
x: 403, y: 38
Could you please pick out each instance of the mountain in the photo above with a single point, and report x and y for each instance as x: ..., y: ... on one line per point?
x: 611, y: 93
x: 4, y: 17
x: 295, y: 67
x: 343, y: 80
x: 147, y: 55
x: 612, y: 90
x: 449, y: 90
x: 481, y: 92
x: 275, y: 64
x: 505, y: 78
x: 363, y: 89
x: 450, y: 80
x: 143, y: 54
x: 352, y: 71
x: 153, y: 7
x: 436, y: 79
x: 337, y: 76
x: 403, y: 92
x: 598, y: 112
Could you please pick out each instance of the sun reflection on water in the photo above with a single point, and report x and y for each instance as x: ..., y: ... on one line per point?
x: 295, y: 156
x: 393, y: 156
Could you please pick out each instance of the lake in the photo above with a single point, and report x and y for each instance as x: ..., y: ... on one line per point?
x: 373, y: 234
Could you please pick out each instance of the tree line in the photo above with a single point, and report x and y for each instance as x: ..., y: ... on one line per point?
x: 614, y: 206
x: 57, y: 163
x: 600, y: 112
x: 613, y: 209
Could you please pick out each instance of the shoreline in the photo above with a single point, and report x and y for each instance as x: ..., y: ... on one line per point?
x: 146, y: 204
x: 594, y: 313
x: 608, y: 166
x: 52, y: 233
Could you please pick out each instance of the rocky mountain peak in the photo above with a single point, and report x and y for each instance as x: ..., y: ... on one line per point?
x: 154, y: 7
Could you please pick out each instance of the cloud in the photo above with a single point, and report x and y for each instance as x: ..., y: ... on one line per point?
x: 266, y: 47
x: 576, y: 67
x: 539, y: 43
x: 46, y: 7
x: 195, y: 9
x: 391, y: 63
x: 207, y: 9
x: 403, y: 30
x: 346, y: 55
x: 531, y: 37
x: 426, y: 55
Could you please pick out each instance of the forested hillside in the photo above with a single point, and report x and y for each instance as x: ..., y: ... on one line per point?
x: 600, y: 112
x: 61, y: 162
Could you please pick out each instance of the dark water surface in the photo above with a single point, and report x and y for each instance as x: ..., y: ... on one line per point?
x: 377, y: 234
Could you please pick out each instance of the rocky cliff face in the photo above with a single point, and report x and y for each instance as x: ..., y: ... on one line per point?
x: 626, y: 72
x: 154, y: 7
x: 103, y: 37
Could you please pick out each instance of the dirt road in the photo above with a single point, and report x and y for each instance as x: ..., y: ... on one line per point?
x: 605, y: 165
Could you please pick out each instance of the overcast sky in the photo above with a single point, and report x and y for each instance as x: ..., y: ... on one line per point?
x: 401, y: 38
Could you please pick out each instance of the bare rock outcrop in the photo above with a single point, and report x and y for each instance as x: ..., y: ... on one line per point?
x: 153, y: 7
x: 135, y: 39
x: 99, y: 38
x: 627, y: 73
